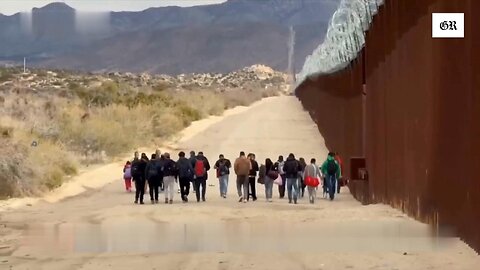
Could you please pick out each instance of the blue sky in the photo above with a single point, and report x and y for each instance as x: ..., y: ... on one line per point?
x: 9, y: 7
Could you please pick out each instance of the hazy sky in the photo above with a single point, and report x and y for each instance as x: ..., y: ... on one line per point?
x: 9, y: 7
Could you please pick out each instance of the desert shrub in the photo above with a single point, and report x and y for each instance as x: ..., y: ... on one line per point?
x: 166, y: 124
x: 205, y: 102
x: 51, y: 163
x: 161, y: 86
x: 52, y: 178
x: 6, y: 132
x: 187, y: 113
x: 6, y: 75
x: 15, y: 173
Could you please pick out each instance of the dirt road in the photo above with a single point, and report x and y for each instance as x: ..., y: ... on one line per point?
x: 102, y: 228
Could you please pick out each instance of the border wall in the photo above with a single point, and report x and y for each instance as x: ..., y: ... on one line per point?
x: 410, y: 105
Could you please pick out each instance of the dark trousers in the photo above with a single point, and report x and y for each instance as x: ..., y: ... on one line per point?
x: 154, y: 184
x: 253, y: 192
x: 281, y: 189
x: 184, y: 187
x: 139, y: 188
x: 200, y: 181
x: 302, y: 187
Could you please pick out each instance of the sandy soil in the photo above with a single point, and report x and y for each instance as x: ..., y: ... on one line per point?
x: 93, y: 224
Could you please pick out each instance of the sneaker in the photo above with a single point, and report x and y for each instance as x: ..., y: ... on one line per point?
x: 224, y: 196
x: 244, y: 201
x: 170, y: 202
x: 135, y: 202
x: 240, y: 199
x: 142, y: 203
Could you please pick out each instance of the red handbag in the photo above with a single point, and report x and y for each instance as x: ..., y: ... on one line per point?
x: 311, y: 181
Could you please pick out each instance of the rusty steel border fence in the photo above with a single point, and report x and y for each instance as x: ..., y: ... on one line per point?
x: 410, y: 105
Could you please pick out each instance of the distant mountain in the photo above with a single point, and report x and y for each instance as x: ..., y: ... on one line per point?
x: 171, y: 40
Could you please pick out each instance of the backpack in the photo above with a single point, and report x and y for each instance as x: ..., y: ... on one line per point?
x: 153, y: 169
x: 169, y: 168
x: 199, y: 168
x: 223, y: 169
x: 128, y: 173
x: 184, y: 170
x: 135, y: 169
x: 331, y: 167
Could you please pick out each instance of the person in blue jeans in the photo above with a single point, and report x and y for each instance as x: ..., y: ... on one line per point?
x: 292, y: 168
x: 331, y: 170
x: 222, y: 166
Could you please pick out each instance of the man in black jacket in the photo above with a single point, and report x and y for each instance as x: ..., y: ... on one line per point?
x: 153, y: 174
x: 193, y: 159
x: 185, y: 174
x: 252, y: 176
x: 201, y: 177
x: 292, y: 168
x: 138, y: 174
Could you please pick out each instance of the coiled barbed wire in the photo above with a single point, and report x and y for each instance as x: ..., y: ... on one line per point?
x: 344, y: 39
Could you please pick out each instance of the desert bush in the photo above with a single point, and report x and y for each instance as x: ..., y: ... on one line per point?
x: 6, y: 75
x: 12, y: 169
x: 166, y: 124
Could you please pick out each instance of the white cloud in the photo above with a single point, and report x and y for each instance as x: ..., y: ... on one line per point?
x: 9, y: 7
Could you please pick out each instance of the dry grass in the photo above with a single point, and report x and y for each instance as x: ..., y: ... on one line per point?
x: 87, y: 124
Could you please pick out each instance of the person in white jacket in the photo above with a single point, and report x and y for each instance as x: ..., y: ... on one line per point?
x: 311, y: 170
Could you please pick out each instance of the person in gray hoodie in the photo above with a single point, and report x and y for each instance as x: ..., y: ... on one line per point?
x: 311, y: 170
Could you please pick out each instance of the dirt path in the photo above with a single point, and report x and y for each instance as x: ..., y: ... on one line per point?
x: 102, y: 229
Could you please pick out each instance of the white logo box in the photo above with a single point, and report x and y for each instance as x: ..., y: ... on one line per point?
x: 448, y: 25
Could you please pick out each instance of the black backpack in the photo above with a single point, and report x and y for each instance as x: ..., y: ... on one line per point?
x: 223, y: 169
x: 331, y: 167
x: 135, y: 169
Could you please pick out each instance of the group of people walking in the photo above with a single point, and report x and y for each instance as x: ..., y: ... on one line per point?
x: 161, y: 173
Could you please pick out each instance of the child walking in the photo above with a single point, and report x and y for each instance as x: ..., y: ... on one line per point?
x: 127, y: 176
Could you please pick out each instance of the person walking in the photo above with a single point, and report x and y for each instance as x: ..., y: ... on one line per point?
x: 301, y: 183
x: 193, y: 160
x: 185, y: 175
x: 270, y: 176
x: 252, y: 176
x: 138, y: 176
x: 331, y: 170
x: 169, y: 177
x: 127, y: 176
x: 279, y: 168
x: 201, y: 168
x: 292, y: 168
x: 222, y: 166
x: 340, y: 179
x: 312, y: 171
x: 153, y: 174
x: 242, y: 168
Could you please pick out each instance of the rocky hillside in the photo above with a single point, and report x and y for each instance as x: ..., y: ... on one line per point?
x: 168, y: 40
